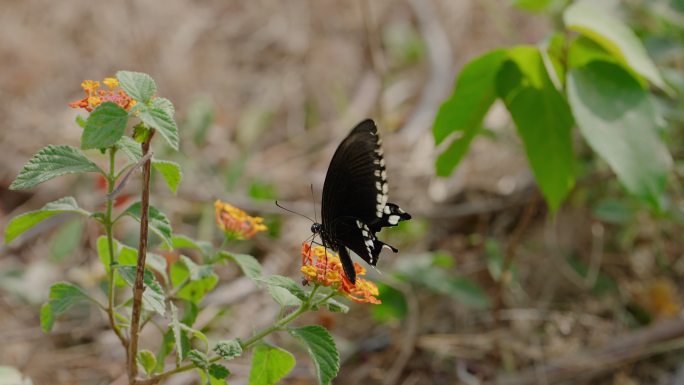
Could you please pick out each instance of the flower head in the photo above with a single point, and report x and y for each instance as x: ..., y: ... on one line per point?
x: 322, y: 267
x: 236, y: 223
x: 96, y: 96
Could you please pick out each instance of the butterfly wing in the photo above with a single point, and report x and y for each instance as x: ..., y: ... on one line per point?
x: 355, y: 205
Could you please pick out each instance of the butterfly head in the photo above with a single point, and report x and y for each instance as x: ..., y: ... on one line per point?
x: 316, y: 228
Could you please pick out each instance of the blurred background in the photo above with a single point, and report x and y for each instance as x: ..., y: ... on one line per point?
x: 264, y: 91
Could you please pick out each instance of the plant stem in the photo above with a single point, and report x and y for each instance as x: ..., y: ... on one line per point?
x: 138, y: 287
x: 108, y: 224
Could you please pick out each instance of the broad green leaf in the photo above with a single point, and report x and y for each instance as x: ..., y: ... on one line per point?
x: 165, y: 348
x: 63, y: 295
x: 164, y: 104
x: 321, y: 347
x: 618, y: 119
x: 153, y: 295
x: 196, y: 334
x: 249, y: 265
x: 19, y: 224
x: 67, y: 239
x: 465, y: 109
x: 51, y: 162
x: 164, y: 124
x: 228, y: 349
x: 270, y: 364
x: 183, y: 242
x: 285, y: 283
x: 283, y: 296
x: 393, y: 306
x: 147, y: 360
x: 130, y: 147
x: 196, y: 290
x: 158, y: 222
x: 331, y: 304
x: 543, y: 119
x: 615, y: 36
x: 104, y: 127
x: 583, y: 50
x: 170, y: 171
x: 137, y: 85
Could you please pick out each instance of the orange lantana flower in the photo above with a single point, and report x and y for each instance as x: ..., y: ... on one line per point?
x: 95, y: 96
x: 322, y: 267
x: 236, y: 223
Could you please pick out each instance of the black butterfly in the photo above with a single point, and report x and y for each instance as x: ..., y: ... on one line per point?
x: 355, y: 205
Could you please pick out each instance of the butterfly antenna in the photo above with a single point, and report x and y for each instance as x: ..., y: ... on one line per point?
x: 293, y: 212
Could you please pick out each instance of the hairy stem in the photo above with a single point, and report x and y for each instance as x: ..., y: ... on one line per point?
x: 138, y: 287
x: 108, y: 224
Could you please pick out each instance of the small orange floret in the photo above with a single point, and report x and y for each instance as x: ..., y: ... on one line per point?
x: 95, y: 96
x: 236, y: 223
x: 322, y: 267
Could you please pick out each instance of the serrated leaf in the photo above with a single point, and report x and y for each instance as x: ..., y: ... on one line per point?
x: 618, y: 119
x: 104, y: 127
x: 321, y: 347
x: 147, y: 360
x: 270, y: 364
x: 218, y: 371
x: 158, y: 222
x: 176, y: 328
x: 63, y: 295
x: 465, y: 109
x: 51, y: 162
x: 164, y: 124
x: 283, y: 296
x: 130, y: 147
x: 153, y: 295
x: 170, y: 171
x: 249, y: 265
x: 19, y: 224
x: 67, y: 239
x: 615, y: 36
x: 543, y: 119
x: 198, y: 359
x: 335, y: 306
x: 164, y: 104
x: 196, y: 290
x: 286, y: 283
x: 138, y: 85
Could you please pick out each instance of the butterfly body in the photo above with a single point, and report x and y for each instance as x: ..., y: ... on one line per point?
x: 355, y: 201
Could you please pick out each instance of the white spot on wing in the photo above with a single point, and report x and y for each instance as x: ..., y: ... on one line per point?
x: 387, y: 209
x: 383, y: 175
x: 384, y: 188
x: 393, y: 219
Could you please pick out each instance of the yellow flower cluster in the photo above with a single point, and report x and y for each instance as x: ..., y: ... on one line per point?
x: 236, y: 223
x: 324, y: 268
x: 96, y: 96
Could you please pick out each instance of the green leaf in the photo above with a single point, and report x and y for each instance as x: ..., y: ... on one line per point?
x: 182, y: 242
x: 63, y: 295
x: 249, y: 265
x: 130, y: 147
x: 67, y: 239
x: 618, y: 119
x: 161, y: 121
x: 465, y: 109
x: 393, y: 306
x: 331, y: 304
x: 164, y: 104
x: 285, y: 283
x: 176, y: 328
x: 198, y: 358
x: 147, y: 360
x: 137, y: 85
x: 283, y: 296
x: 153, y: 295
x: 196, y: 290
x: 615, y: 36
x: 543, y: 119
x: 19, y: 224
x: 104, y: 127
x: 218, y: 371
x: 270, y: 364
x: 170, y: 171
x: 158, y: 222
x: 51, y: 162
x: 321, y: 347
x: 228, y: 349
x: 532, y: 5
